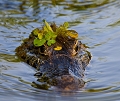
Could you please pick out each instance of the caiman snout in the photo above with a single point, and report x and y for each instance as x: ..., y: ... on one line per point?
x: 69, y: 83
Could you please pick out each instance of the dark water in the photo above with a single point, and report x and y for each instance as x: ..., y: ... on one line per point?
x: 98, y: 25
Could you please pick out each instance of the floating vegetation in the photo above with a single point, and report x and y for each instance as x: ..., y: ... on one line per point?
x: 47, y: 36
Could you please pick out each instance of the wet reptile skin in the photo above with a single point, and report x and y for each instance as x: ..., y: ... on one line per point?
x: 63, y: 69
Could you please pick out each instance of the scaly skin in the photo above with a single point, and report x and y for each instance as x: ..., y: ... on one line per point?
x: 63, y: 69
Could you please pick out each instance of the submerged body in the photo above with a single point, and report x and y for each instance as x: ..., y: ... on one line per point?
x: 63, y: 68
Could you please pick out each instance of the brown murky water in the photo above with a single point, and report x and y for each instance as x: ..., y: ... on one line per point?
x: 98, y: 25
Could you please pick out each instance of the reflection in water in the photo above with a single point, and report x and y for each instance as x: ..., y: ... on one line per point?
x: 36, y: 7
x: 10, y: 58
x: 21, y: 6
x: 86, y: 5
x: 98, y: 24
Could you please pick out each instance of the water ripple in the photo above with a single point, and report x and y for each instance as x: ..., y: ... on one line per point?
x: 98, y: 25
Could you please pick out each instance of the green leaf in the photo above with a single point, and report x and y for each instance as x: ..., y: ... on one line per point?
x: 72, y: 34
x: 35, y: 31
x: 62, y: 29
x: 38, y: 42
x: 47, y: 27
x: 66, y: 25
x: 48, y: 36
x: 50, y: 42
x: 53, y: 35
x: 40, y: 35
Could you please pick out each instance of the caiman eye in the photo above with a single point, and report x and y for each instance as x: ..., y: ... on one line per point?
x: 76, y: 48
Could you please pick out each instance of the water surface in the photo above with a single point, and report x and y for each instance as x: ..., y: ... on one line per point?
x: 98, y: 25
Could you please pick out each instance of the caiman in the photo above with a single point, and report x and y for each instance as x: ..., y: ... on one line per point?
x: 60, y: 64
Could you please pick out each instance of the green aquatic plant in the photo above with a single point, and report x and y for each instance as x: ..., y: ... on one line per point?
x: 48, y: 36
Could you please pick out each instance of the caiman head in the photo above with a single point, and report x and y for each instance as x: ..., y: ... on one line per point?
x: 60, y: 65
